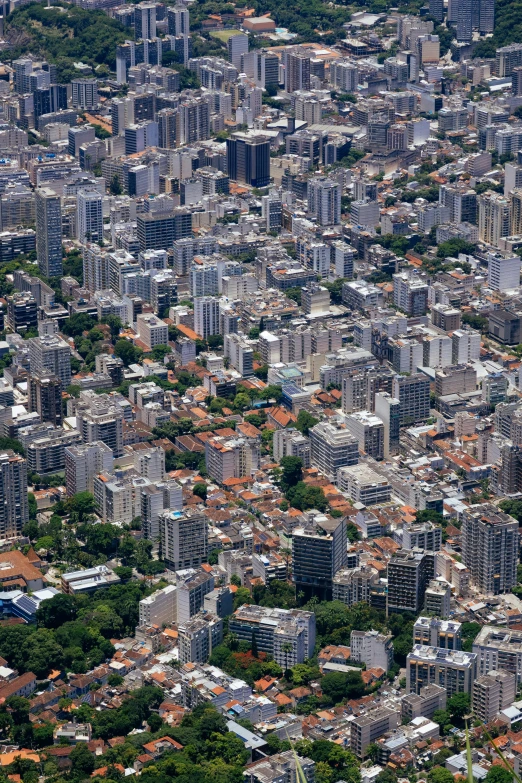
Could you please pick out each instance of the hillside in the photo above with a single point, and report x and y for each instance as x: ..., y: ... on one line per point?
x: 508, y: 28
x: 65, y: 34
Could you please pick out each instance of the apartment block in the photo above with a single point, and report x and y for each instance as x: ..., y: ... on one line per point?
x: 184, y: 538
x: 492, y: 693
x: 372, y: 648
x: 455, y: 670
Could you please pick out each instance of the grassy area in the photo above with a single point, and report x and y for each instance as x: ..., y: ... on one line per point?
x: 224, y: 35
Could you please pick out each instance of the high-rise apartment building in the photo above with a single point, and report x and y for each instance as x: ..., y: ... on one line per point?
x: 89, y: 215
x: 465, y: 346
x: 206, y: 316
x: 368, y: 429
x: 49, y: 232
x: 53, y: 355
x: 455, y: 670
x: 332, y: 446
x: 372, y: 648
x: 297, y: 69
x: 493, y: 218
x: 410, y: 293
x: 492, y: 693
x: 237, y: 47
x: 184, y: 538
x: 413, y: 393
x: 318, y: 552
x: 83, y: 462
x: 324, y: 200
x: 490, y: 544
x: 409, y: 574
x: 434, y: 632
x: 98, y: 417
x: 503, y: 271
x: 248, y: 159
x: 14, y: 507
x: 45, y: 396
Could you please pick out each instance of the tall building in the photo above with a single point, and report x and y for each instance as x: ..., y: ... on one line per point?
x: 248, y: 159
x: 413, y: 393
x: 409, y: 574
x: 22, y: 311
x: 14, y: 507
x: 83, y: 462
x: 89, y: 215
x: 45, y: 396
x: 332, y: 446
x: 493, y: 218
x: 499, y: 649
x: 297, y: 69
x: 51, y: 354
x: 318, y: 552
x: 388, y: 409
x: 455, y: 670
x: 206, y: 316
x: 184, y: 539
x: 410, y: 293
x: 368, y: 429
x: 324, y: 200
x: 503, y: 271
x: 437, y: 9
x: 49, y: 232
x: 435, y: 632
x: 288, y: 635
x: 490, y: 544
x: 237, y: 46
x: 492, y: 693
x: 465, y: 346
x: 84, y: 93
x: 98, y: 417
x: 372, y: 648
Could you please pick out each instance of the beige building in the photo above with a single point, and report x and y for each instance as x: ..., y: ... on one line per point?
x: 492, y: 693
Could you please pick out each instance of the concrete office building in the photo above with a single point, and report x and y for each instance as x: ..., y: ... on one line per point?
x: 318, y: 552
x: 490, y: 543
x: 184, y: 538
x: 455, y: 670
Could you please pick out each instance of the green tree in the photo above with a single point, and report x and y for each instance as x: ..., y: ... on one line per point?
x: 292, y: 471
x: 440, y: 775
x: 127, y: 352
x: 305, y: 422
x: 55, y: 611
x: 458, y: 706
x: 498, y: 774
x: 82, y: 760
x: 200, y: 489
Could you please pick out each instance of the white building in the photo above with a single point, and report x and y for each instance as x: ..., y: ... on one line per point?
x: 503, y: 271
x: 206, y: 316
x: 160, y: 608
x: 152, y: 330
x: 372, y: 648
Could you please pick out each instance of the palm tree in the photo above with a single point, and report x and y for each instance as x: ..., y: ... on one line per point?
x: 286, y: 648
